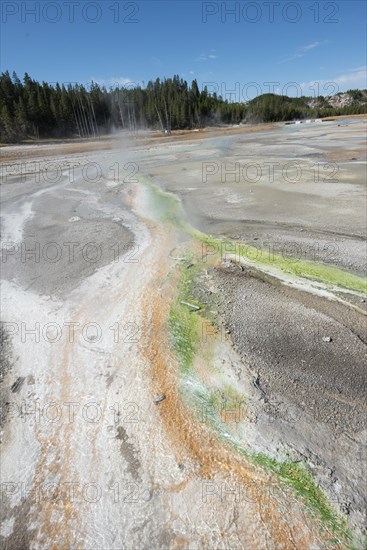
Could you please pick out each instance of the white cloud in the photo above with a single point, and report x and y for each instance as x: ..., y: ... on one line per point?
x: 207, y: 56
x: 357, y: 77
x: 349, y: 80
x: 310, y: 46
x: 300, y: 52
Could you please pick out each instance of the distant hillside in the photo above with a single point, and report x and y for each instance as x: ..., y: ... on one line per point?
x: 342, y: 99
x: 273, y: 108
x: 33, y: 110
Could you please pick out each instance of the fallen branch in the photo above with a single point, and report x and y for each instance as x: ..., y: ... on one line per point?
x: 190, y: 305
x: 179, y: 259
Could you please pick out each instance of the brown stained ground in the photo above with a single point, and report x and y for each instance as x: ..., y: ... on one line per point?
x: 69, y: 147
x: 189, y: 436
x: 346, y: 154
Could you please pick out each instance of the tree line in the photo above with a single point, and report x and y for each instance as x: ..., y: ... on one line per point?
x: 30, y: 109
x: 33, y: 110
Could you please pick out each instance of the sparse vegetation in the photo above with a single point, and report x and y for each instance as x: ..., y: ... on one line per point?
x: 330, y: 275
x: 184, y: 328
x: 170, y: 210
x: 183, y: 322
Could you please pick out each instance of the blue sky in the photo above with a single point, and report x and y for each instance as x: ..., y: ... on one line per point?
x: 110, y: 41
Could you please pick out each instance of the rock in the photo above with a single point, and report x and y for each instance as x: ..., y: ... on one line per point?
x: 326, y: 339
x: 17, y: 384
x: 159, y: 398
